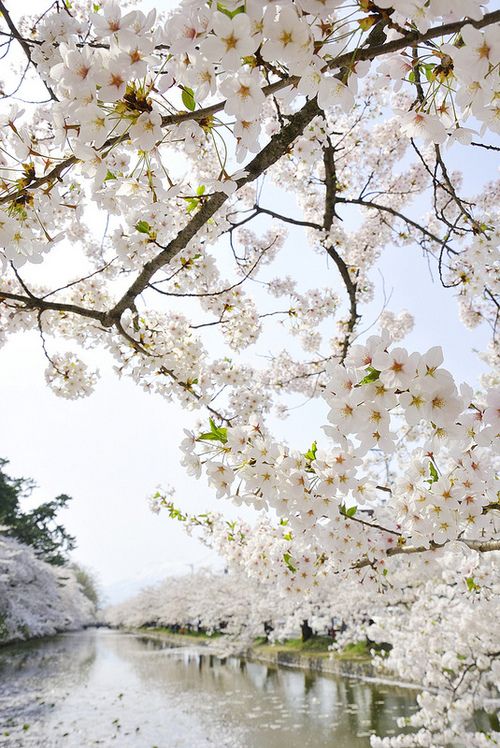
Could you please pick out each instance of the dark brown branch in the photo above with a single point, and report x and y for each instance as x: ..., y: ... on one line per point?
x: 485, y: 146
x: 223, y: 290
x: 286, y: 219
x: 33, y: 302
x: 328, y: 216
x: 396, y: 214
x: 330, y: 184
x: 269, y: 155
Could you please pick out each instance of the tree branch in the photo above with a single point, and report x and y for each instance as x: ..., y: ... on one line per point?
x: 481, y: 546
x: 347, y: 59
x: 24, y: 44
x: 33, y: 302
x: 269, y: 155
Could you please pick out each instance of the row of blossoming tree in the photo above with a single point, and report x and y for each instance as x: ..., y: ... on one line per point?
x: 141, y: 174
x: 425, y: 628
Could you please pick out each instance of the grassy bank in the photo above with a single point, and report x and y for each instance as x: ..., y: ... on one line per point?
x: 196, y: 635
x: 316, y: 646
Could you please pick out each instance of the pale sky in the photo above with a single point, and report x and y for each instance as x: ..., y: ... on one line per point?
x: 111, y: 450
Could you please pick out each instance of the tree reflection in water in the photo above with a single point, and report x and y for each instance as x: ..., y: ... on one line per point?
x: 109, y: 688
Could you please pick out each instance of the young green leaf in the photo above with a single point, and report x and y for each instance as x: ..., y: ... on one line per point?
x: 372, y: 376
x: 311, y: 452
x: 188, y: 98
x: 287, y: 558
x: 434, y: 473
x: 143, y: 227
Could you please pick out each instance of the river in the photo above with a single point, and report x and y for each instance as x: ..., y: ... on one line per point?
x: 106, y: 688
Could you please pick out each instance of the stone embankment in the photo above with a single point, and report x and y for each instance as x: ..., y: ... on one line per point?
x: 318, y: 662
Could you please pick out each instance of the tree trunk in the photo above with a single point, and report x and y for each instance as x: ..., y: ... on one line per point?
x: 307, y: 631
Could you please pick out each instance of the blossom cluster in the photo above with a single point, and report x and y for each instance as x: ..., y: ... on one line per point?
x: 403, y: 407
x: 130, y: 87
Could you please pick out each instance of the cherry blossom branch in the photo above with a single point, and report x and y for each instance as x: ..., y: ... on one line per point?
x: 268, y: 156
x: 329, y: 214
x: 167, y: 372
x: 223, y: 290
x: 346, y: 59
x: 33, y: 302
x: 331, y: 185
x: 480, y: 546
x: 25, y: 46
x: 286, y: 219
x: 396, y: 214
x: 485, y: 146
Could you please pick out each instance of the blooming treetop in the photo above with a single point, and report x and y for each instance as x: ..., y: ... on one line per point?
x: 160, y: 131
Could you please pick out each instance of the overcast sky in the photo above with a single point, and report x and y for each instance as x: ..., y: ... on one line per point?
x: 111, y: 450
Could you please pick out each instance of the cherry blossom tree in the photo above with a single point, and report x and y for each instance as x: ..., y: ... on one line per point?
x: 443, y: 605
x: 38, y: 598
x: 202, y: 602
x: 142, y: 175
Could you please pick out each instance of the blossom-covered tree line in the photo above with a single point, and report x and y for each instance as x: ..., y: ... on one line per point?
x: 41, y: 591
x: 422, y: 628
x: 143, y: 172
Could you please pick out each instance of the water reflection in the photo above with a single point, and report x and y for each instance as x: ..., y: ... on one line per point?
x: 111, y: 689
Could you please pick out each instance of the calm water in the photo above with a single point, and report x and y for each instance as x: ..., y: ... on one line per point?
x: 104, y: 688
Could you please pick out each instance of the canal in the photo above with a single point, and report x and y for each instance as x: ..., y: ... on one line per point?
x: 106, y: 688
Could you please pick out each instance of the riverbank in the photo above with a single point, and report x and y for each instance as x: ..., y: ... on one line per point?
x: 314, y: 656
x: 36, y: 598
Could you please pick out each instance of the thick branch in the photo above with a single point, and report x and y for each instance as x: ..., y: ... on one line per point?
x: 330, y: 184
x: 329, y: 214
x: 481, y: 546
x: 33, y: 302
x: 269, y: 155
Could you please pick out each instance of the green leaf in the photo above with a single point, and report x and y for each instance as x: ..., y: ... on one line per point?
x: 429, y: 71
x: 434, y: 473
x: 109, y: 175
x: 192, y: 203
x: 143, y: 227
x: 208, y: 437
x: 216, y: 433
x: 287, y: 558
x: 311, y: 453
x: 188, y: 98
x: 372, y: 376
x: 472, y: 586
x: 348, y: 512
x: 200, y: 190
